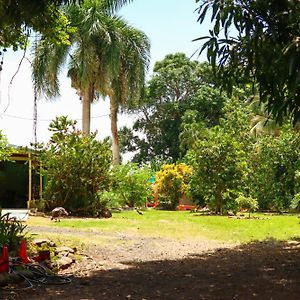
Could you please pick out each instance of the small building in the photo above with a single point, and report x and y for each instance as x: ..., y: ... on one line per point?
x: 20, y: 180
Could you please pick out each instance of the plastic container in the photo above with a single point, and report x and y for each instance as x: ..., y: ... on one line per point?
x: 4, y: 260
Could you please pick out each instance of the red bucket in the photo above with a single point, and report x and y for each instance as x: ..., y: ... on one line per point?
x: 4, y: 260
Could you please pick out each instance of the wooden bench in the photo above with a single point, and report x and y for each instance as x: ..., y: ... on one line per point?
x: 19, y: 214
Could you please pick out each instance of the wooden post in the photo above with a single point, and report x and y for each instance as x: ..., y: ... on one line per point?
x: 29, y: 180
x: 41, y: 182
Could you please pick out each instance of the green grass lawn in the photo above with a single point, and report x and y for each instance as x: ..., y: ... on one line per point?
x: 184, y: 225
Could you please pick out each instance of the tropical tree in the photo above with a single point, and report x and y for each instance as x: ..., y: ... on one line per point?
x: 219, y: 158
x: 19, y: 17
x: 127, y: 85
x: 106, y: 57
x: 275, y: 165
x: 256, y: 40
x: 178, y: 85
x: 86, y: 70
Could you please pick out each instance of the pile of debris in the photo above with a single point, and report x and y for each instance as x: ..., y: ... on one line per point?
x: 56, y: 258
x: 43, y: 266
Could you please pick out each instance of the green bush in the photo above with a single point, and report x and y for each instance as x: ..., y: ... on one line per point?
x: 248, y: 203
x: 219, y: 158
x: 11, y: 233
x: 275, y: 165
x: 220, y: 167
x: 76, y: 166
x: 295, y: 204
x: 130, y: 186
x: 5, y: 149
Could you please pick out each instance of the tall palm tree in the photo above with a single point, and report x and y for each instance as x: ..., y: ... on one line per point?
x: 127, y: 83
x: 108, y: 58
x: 89, y: 71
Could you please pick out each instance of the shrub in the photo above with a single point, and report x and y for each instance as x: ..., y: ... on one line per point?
x: 130, y: 186
x: 220, y: 168
x: 76, y: 166
x: 295, y: 204
x: 247, y: 203
x: 219, y: 158
x: 171, y: 183
x: 11, y: 233
x: 5, y: 149
x: 275, y: 161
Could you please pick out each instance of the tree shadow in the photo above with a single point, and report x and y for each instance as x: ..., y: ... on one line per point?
x: 258, y: 270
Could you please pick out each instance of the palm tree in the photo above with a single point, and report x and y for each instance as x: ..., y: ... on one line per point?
x: 89, y: 55
x: 127, y: 83
x: 261, y: 121
x: 108, y: 58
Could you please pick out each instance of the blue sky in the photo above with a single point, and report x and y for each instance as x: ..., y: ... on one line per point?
x: 170, y: 25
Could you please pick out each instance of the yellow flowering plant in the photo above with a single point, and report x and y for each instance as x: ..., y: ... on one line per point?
x: 171, y: 183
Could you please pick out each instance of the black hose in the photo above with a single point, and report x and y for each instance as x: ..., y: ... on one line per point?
x: 33, y: 273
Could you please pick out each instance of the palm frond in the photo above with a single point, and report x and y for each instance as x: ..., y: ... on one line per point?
x: 46, y: 66
x: 107, y: 56
x: 113, y: 6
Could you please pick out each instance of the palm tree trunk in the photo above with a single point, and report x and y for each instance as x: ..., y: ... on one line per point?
x: 114, y: 131
x: 87, y: 98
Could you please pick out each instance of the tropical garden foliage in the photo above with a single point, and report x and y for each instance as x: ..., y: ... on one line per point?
x: 76, y: 167
x: 171, y: 184
x: 234, y: 164
x: 5, y: 152
x: 224, y: 151
x: 219, y: 161
x: 129, y: 186
x: 275, y: 163
x: 222, y: 164
x: 5, y: 149
x: 106, y: 57
x: 256, y: 41
x: 19, y: 18
x: 225, y: 168
x: 178, y: 86
x: 11, y: 233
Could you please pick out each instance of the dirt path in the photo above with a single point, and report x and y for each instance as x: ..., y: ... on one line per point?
x: 138, y: 268
x: 115, y: 250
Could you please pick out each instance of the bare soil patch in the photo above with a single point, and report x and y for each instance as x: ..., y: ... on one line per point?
x: 134, y: 267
